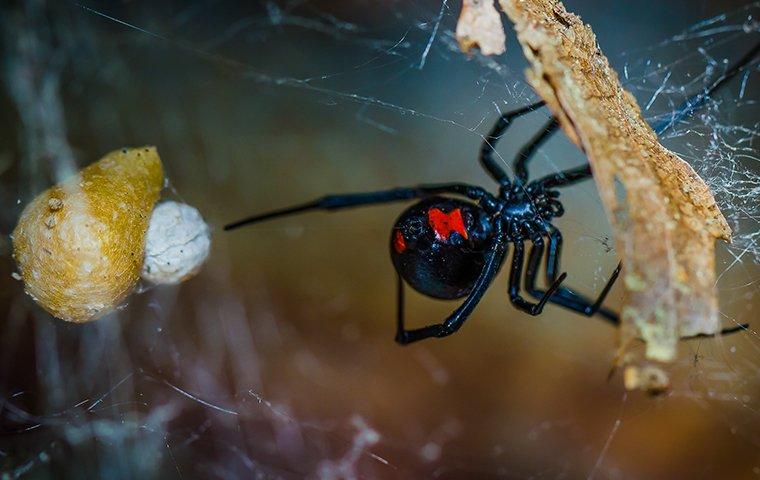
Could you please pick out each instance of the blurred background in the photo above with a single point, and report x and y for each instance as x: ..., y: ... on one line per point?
x: 278, y: 359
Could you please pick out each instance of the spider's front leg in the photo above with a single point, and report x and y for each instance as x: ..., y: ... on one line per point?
x: 494, y: 258
x: 363, y: 199
x: 567, y: 177
x: 488, y: 147
x: 529, y: 149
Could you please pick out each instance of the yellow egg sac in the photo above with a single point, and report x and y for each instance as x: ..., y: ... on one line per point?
x: 79, y: 245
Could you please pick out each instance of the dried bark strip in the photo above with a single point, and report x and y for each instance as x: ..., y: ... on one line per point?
x: 664, y: 217
x: 479, y: 26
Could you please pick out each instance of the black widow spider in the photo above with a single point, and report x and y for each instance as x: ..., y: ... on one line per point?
x: 451, y: 248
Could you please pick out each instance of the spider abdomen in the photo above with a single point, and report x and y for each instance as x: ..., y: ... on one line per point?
x: 438, y: 246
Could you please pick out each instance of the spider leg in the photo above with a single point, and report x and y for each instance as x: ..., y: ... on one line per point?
x: 454, y: 322
x: 337, y: 202
x: 566, y: 177
x: 695, y: 101
x: 564, y: 296
x: 567, y: 298
x: 404, y: 336
x: 688, y: 107
x: 740, y: 327
x: 515, y: 275
x: 487, y: 148
x: 526, y: 153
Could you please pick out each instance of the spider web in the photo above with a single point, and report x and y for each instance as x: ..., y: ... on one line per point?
x: 277, y: 362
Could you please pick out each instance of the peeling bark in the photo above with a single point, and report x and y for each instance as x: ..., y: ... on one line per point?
x: 664, y: 217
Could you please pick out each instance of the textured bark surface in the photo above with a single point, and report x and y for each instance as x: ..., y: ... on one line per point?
x: 664, y: 216
x: 479, y: 26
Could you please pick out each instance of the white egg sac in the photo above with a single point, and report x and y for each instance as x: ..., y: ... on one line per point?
x: 176, y: 245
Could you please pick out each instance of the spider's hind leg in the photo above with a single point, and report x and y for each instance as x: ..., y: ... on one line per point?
x: 454, y: 322
x: 564, y: 296
x: 404, y: 336
x: 567, y: 298
x: 515, y: 276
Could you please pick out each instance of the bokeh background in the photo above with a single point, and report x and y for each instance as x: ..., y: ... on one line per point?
x: 278, y: 360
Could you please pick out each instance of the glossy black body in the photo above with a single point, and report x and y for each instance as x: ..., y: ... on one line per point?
x: 434, y: 266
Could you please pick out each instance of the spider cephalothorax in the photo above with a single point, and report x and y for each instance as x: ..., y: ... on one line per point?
x: 527, y: 208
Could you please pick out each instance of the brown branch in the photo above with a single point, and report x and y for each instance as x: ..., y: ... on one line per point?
x: 664, y: 217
